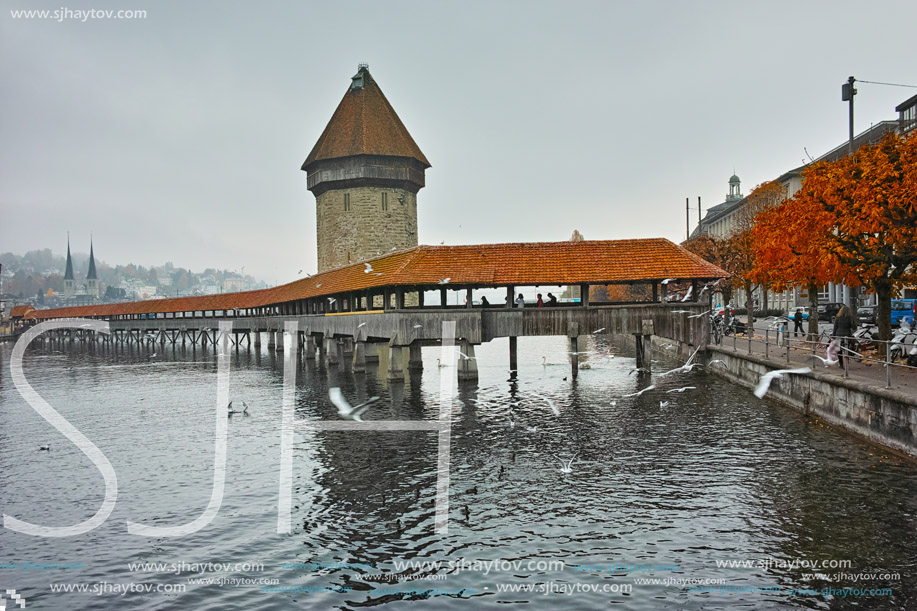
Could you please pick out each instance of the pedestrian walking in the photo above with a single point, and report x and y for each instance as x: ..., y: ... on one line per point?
x: 797, y: 322
x: 843, y: 331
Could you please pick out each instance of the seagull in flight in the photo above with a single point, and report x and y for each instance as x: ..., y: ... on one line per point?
x: 681, y: 311
x: 46, y: 448
x: 444, y: 280
x: 418, y: 326
x: 667, y: 280
x: 699, y: 315
x: 688, y: 366
x: 466, y: 357
x: 682, y: 389
x: 319, y: 285
x: 640, y: 369
x: 688, y: 294
x: 368, y: 269
x: 637, y: 394
x: 299, y: 272
x: 723, y: 363
x: 663, y: 403
x: 553, y: 406
x: 767, y: 378
x: 362, y: 324
x: 598, y: 330
x: 566, y: 466
x: 827, y: 361
x: 352, y: 412
x: 331, y: 300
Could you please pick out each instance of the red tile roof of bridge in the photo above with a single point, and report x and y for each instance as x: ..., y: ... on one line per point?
x: 20, y: 311
x: 484, y: 265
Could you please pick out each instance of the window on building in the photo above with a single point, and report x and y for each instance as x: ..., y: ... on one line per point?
x: 385, y: 200
x: 346, y: 202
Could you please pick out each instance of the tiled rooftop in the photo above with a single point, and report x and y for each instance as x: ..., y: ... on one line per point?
x: 365, y: 124
x: 484, y: 265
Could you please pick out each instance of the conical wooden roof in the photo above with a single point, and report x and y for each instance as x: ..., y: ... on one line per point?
x: 364, y: 124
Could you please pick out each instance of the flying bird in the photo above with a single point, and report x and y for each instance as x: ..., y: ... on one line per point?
x: 663, y: 403
x: 640, y: 369
x: 351, y: 412
x: 717, y: 361
x: 767, y: 378
x: 682, y: 389
x: 368, y: 269
x: 637, y: 394
x: 681, y: 311
x: 827, y: 361
x: 667, y: 280
x: 418, y: 326
x: 299, y: 272
x: 362, y: 324
x: 331, y: 300
x: 688, y: 294
x: 444, y: 280
x: 319, y: 285
x: 699, y: 315
x: 566, y: 466
x: 598, y: 330
x: 553, y: 406
x: 46, y: 448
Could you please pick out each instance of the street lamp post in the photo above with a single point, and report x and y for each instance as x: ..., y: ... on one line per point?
x: 847, y: 93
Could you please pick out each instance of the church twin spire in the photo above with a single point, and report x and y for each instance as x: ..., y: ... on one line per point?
x: 92, y: 280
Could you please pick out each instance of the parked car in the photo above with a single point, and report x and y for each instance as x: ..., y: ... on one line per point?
x: 903, y: 309
x: 828, y: 311
x: 792, y: 312
x: 867, y: 314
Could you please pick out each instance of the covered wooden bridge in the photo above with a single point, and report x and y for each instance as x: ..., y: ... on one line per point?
x: 399, y: 300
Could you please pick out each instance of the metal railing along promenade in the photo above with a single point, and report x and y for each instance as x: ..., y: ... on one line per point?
x: 777, y: 343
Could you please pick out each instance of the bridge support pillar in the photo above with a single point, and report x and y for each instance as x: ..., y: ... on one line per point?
x: 359, y: 357
x: 308, y: 347
x: 513, y: 351
x: 347, y: 346
x: 395, y: 362
x: 415, y: 359
x: 271, y: 342
x: 256, y: 339
x: 280, y: 340
x: 642, y: 343
x: 467, y: 364
x: 331, y: 351
x: 574, y: 356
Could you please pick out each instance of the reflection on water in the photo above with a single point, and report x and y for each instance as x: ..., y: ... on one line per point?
x: 714, y: 475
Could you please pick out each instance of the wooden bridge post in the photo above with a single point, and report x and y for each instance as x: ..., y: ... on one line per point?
x: 415, y: 358
x: 256, y: 338
x: 467, y: 364
x: 359, y: 352
x: 395, y: 361
x: 271, y: 341
x: 573, y: 334
x: 309, y: 347
x: 642, y: 341
x: 331, y: 351
x: 279, y: 344
x: 513, y: 349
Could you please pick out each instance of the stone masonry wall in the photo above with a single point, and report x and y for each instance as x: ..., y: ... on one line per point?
x: 366, y: 230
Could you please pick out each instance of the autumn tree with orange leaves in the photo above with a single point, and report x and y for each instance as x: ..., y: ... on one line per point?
x: 857, y: 224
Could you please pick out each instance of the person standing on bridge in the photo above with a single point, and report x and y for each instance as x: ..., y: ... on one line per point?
x: 484, y: 302
x: 540, y: 302
x: 552, y: 300
x: 797, y: 322
x: 520, y: 301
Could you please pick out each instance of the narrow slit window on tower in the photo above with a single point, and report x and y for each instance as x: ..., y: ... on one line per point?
x: 346, y: 202
x: 385, y: 200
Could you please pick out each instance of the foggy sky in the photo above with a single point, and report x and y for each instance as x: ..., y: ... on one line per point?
x: 180, y: 137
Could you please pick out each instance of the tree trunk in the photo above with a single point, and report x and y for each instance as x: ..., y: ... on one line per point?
x: 813, y: 312
x: 883, y: 287
x: 764, y: 293
x: 749, y: 308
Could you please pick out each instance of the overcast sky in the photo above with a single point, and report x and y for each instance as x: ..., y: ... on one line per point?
x: 179, y: 137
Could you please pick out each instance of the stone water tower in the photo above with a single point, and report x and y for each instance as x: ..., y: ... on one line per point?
x: 365, y: 172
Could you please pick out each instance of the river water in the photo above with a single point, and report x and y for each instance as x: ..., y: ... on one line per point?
x: 665, y: 486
